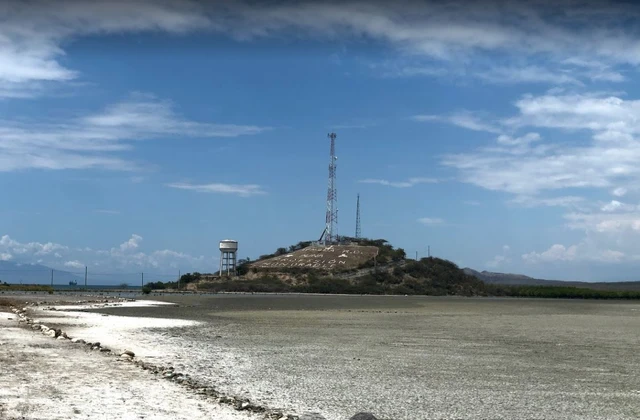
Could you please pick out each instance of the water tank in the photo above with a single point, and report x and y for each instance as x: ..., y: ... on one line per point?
x: 228, y: 245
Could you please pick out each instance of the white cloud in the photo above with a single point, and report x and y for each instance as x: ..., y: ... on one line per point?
x: 32, y: 34
x: 132, y: 244
x: 431, y: 221
x: 30, y: 248
x: 400, y: 184
x: 126, y: 257
x: 556, y: 252
x: 574, y: 253
x: 93, y: 141
x: 619, y: 192
x: 500, y: 259
x: 74, y: 264
x: 235, y: 189
x: 612, y: 206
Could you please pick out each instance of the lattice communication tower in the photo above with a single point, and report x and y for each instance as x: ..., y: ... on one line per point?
x: 331, y: 227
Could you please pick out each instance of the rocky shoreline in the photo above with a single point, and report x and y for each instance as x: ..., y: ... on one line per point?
x: 168, y: 373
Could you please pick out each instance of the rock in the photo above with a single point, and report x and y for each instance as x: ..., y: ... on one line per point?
x: 51, y: 333
x: 364, y: 416
x: 95, y: 348
x: 124, y: 356
x: 64, y: 334
x: 97, y: 344
x: 129, y: 353
x: 60, y: 338
x: 58, y: 332
x: 169, y: 375
x: 312, y: 416
x: 105, y: 350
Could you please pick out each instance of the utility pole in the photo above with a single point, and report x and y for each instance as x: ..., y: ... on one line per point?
x: 416, y: 255
x: 52, y: 277
x: 429, y: 251
x: 142, y: 279
x: 179, y: 278
x: 358, y: 231
x: 85, y: 276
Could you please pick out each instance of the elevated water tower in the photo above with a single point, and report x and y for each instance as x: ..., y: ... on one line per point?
x: 228, y: 256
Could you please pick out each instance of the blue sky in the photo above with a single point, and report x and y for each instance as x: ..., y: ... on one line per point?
x: 136, y: 135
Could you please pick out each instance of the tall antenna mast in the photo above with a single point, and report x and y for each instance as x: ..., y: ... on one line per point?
x: 358, y: 233
x: 331, y: 228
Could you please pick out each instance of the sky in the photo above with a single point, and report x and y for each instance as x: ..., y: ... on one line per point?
x: 135, y: 135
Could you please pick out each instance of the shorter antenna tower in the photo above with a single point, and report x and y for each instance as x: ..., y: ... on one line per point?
x: 358, y: 232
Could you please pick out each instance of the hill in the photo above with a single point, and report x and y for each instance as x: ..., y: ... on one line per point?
x: 13, y: 272
x: 362, y: 266
x: 522, y: 280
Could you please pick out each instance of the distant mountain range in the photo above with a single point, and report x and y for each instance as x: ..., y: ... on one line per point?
x: 13, y: 272
x: 519, y: 279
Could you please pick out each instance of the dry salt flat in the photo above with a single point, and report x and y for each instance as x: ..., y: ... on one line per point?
x: 402, y: 358
x: 47, y: 378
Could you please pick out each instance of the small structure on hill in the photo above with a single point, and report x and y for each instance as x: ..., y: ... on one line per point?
x: 228, y: 257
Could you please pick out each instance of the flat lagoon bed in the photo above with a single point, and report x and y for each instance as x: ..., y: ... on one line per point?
x: 406, y: 357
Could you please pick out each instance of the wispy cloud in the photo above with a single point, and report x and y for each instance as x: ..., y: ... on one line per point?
x: 431, y: 221
x: 605, y: 160
x: 246, y: 190
x: 535, y: 201
x: 567, y: 40
x: 464, y: 119
x: 400, y: 184
x: 98, y: 140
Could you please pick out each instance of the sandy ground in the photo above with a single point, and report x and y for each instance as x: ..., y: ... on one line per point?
x: 45, y: 378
